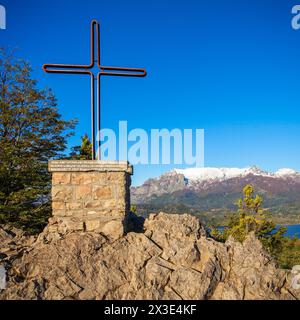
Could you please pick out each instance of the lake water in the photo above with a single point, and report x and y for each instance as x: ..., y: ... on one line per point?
x: 293, y: 231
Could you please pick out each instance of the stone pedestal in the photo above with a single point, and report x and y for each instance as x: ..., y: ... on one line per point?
x: 92, y: 196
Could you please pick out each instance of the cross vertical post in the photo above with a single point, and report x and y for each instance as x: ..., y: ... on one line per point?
x: 95, y: 81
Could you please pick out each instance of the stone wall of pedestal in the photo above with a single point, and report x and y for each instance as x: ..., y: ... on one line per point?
x: 91, y: 196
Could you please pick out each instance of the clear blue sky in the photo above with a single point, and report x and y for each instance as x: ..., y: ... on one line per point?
x: 230, y: 67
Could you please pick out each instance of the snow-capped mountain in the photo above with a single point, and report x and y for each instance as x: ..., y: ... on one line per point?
x: 202, y: 174
x: 215, y: 189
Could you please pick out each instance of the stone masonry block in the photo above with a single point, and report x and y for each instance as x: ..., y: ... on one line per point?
x: 83, y: 192
x: 58, y: 205
x: 83, y: 178
x: 61, y: 178
x: 103, y: 192
x: 62, y: 193
x: 74, y: 205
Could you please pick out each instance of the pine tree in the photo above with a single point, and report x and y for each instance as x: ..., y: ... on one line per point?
x: 32, y: 132
x: 251, y: 217
x: 83, y: 152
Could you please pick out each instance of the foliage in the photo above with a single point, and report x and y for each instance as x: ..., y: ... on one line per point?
x: 251, y: 217
x: 133, y: 209
x: 289, y: 256
x: 83, y: 152
x: 31, y: 133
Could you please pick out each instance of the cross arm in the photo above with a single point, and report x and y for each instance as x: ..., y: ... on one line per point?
x: 67, y: 68
x: 122, y: 72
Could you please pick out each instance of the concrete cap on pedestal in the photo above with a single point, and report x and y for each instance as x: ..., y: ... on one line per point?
x: 89, y: 166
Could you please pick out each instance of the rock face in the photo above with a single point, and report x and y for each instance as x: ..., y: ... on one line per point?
x: 13, y: 243
x: 173, y: 258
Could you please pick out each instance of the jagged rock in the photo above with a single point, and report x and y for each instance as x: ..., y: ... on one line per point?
x: 172, y: 259
x: 13, y: 242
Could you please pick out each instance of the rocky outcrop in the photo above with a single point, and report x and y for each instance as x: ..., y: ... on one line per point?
x: 13, y: 244
x: 173, y: 258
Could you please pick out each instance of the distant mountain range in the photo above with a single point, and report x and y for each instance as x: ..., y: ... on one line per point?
x: 211, y: 192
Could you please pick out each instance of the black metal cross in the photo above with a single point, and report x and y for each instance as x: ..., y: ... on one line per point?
x: 95, y: 78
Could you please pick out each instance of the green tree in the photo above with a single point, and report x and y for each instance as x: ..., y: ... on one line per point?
x: 133, y: 209
x: 32, y: 132
x: 289, y: 256
x: 83, y: 152
x: 251, y: 217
